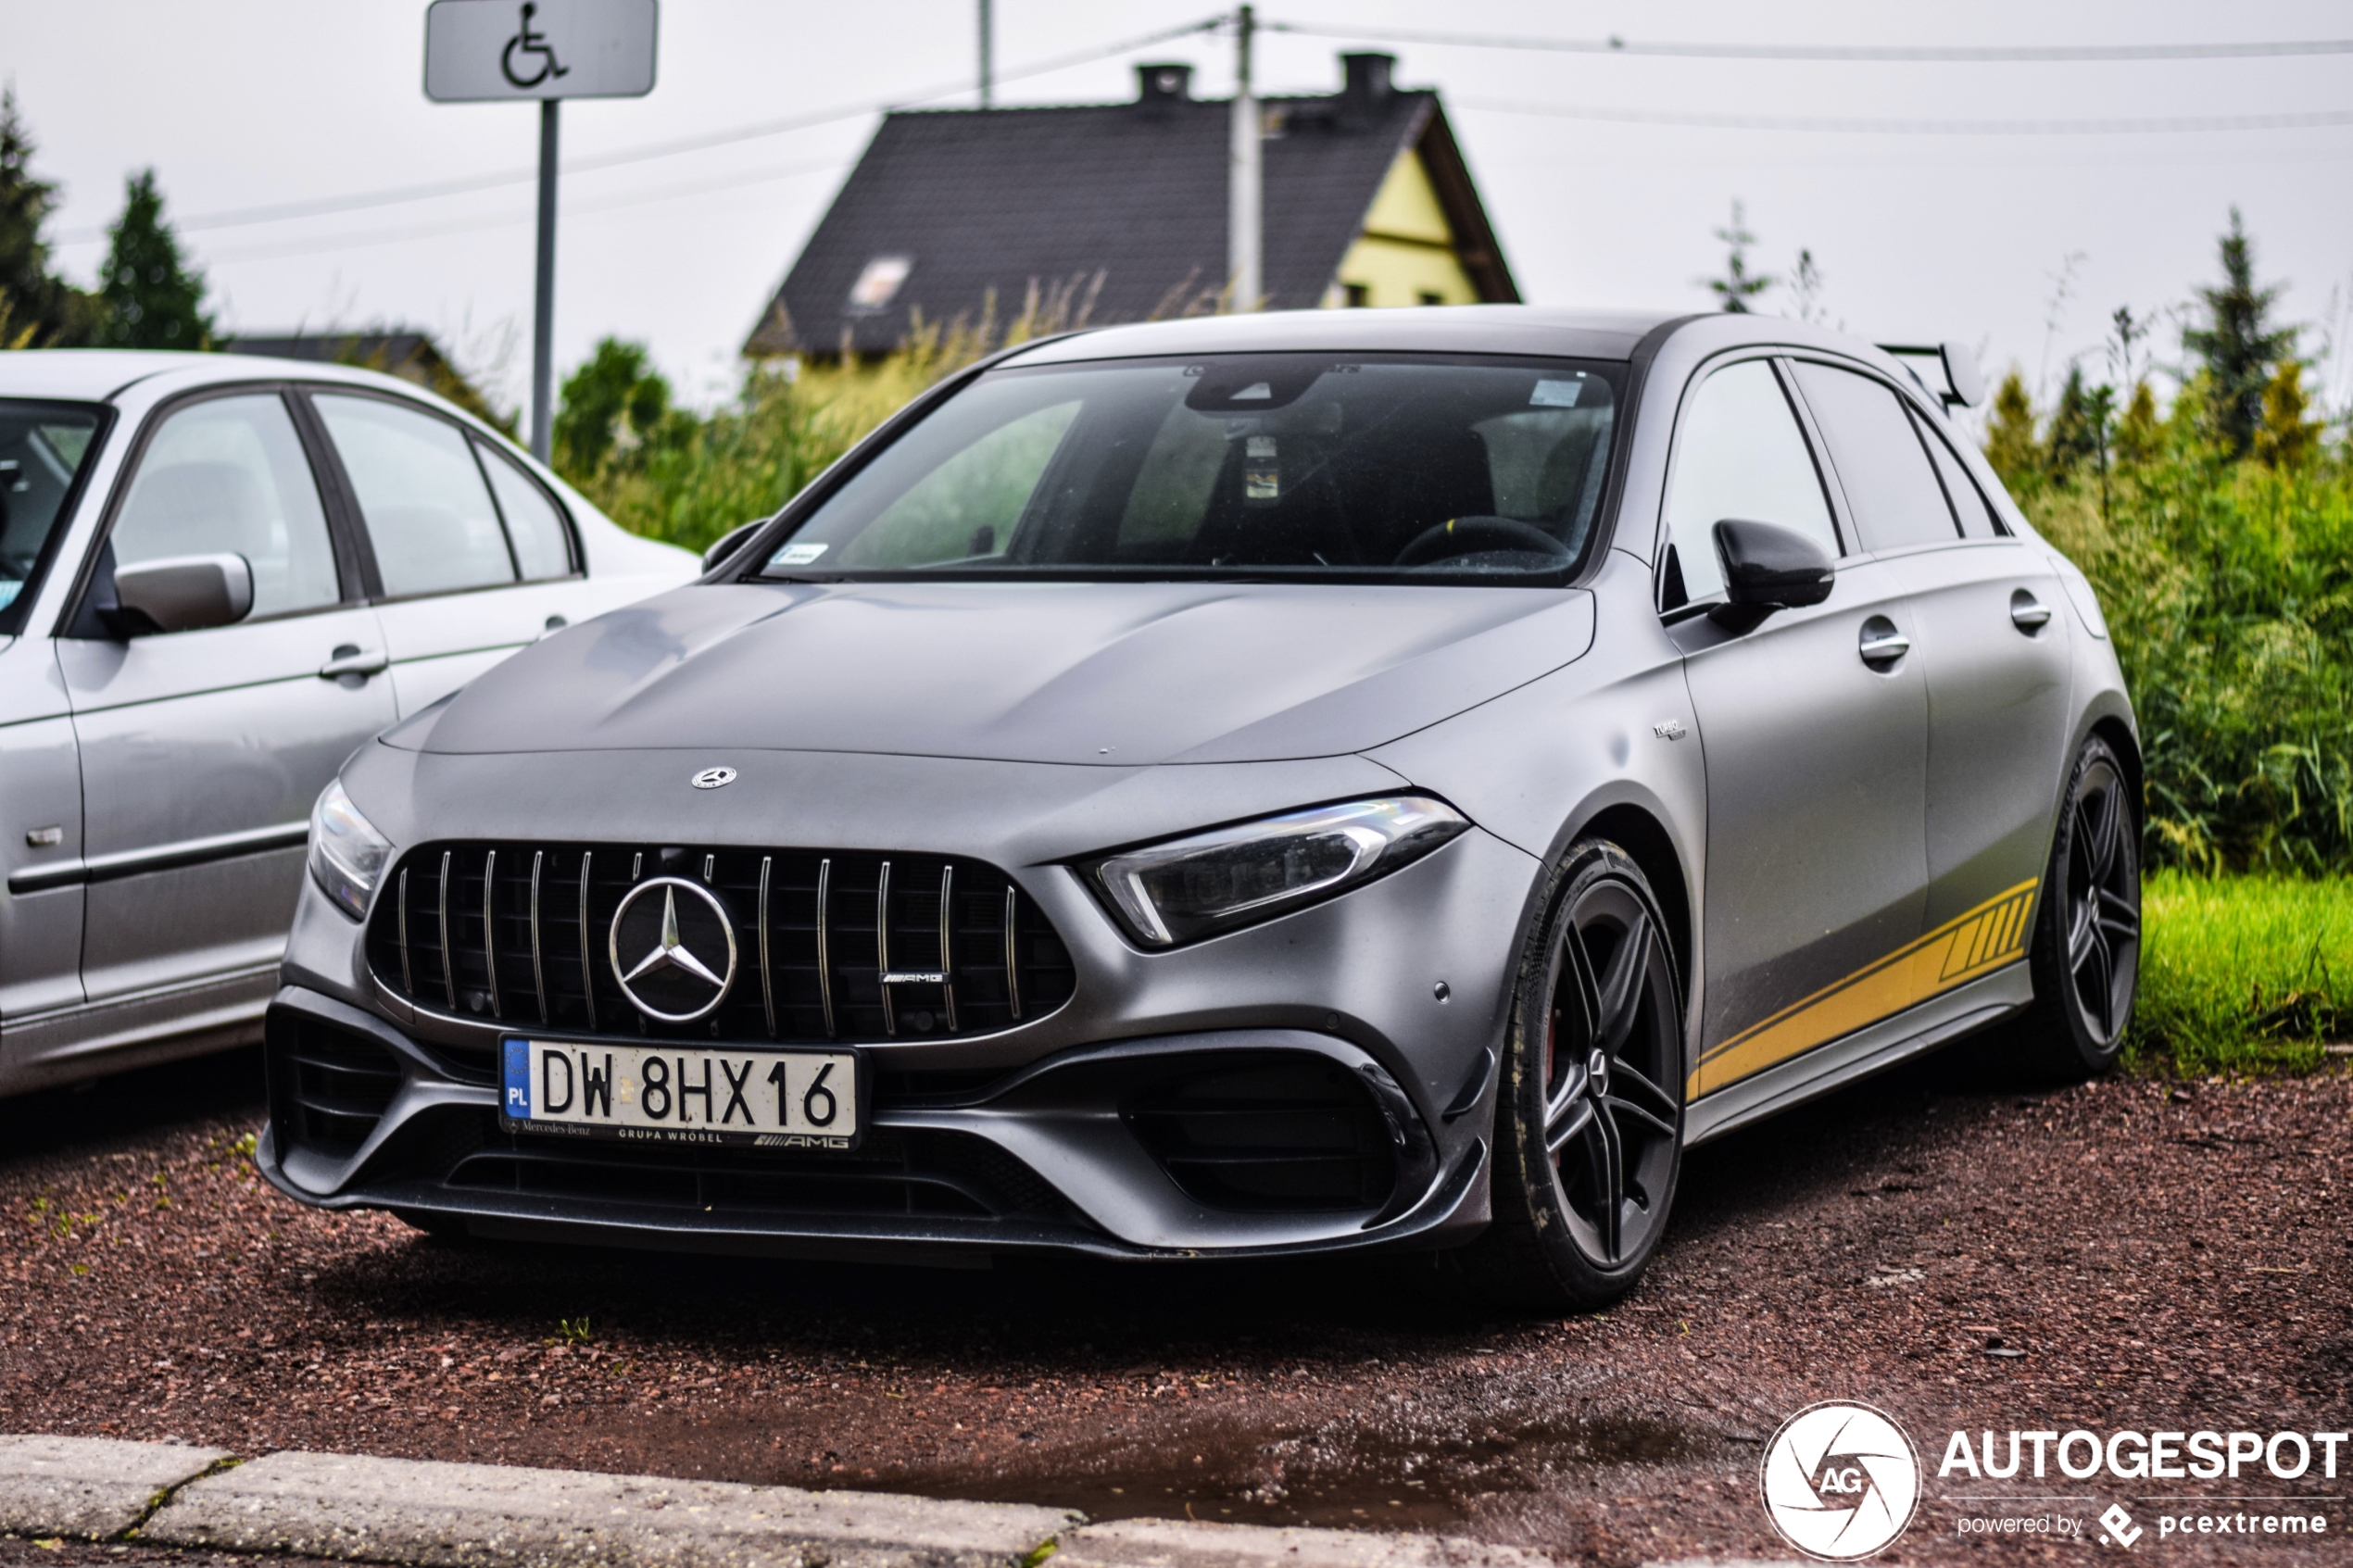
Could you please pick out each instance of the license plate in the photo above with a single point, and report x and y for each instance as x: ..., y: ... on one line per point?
x: 684, y: 1093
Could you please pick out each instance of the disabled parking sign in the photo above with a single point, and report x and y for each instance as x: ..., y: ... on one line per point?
x: 479, y: 51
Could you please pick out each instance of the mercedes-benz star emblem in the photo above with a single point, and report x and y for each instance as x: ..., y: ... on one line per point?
x: 713, y: 778
x: 674, y: 956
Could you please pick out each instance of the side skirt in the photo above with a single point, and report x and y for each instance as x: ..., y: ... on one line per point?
x: 1857, y: 1056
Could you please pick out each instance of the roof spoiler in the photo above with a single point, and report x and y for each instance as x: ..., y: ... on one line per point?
x: 1956, y: 366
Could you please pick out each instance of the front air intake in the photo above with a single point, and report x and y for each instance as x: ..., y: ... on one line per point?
x: 827, y: 946
x: 1268, y: 1132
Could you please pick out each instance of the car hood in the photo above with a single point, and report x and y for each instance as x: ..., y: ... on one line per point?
x: 1082, y: 673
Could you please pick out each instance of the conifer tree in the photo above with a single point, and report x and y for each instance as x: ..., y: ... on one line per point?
x: 2238, y: 347
x: 2010, y: 445
x: 39, y: 306
x: 1737, y: 285
x: 152, y: 298
x: 2286, y: 439
x: 2075, y: 436
x: 2138, y: 433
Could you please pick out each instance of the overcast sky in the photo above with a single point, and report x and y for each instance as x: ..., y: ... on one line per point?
x: 259, y: 103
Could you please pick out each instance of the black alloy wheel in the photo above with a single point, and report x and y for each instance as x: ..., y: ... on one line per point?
x: 1589, y: 1129
x: 2088, y: 942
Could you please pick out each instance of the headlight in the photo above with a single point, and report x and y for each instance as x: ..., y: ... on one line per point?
x: 1214, y: 881
x: 346, y: 853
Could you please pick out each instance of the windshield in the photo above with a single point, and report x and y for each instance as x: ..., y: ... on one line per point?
x: 43, y: 446
x: 1389, y: 468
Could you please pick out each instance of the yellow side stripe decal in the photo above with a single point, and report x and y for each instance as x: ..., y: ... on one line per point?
x: 1962, y: 948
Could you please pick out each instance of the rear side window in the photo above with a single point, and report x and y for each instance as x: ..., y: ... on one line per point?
x: 543, y: 545
x: 1968, y: 501
x: 1739, y: 454
x: 429, y: 514
x: 1890, y: 487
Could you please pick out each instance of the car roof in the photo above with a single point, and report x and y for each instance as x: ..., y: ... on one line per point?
x: 1461, y: 329
x: 100, y: 374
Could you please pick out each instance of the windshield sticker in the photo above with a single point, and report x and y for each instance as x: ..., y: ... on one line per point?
x: 1262, y: 474
x: 799, y: 555
x: 1556, y: 394
x: 1257, y: 390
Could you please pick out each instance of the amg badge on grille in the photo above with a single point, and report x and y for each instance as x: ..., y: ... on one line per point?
x: 674, y: 957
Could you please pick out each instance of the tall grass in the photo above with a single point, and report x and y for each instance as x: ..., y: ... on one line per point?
x: 2229, y: 589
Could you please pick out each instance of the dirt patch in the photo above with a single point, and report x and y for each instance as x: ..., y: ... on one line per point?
x: 2124, y: 1254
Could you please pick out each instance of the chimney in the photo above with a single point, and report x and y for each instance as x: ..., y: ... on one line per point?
x: 1163, y: 86
x: 1366, y: 86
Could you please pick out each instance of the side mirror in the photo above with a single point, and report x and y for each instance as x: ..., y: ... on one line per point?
x: 184, y: 593
x: 1768, y: 568
x: 730, y: 542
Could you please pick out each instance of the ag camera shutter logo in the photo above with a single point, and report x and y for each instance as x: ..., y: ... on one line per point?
x: 1841, y: 1481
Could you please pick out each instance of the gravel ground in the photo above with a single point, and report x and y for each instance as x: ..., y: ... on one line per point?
x: 2167, y: 1256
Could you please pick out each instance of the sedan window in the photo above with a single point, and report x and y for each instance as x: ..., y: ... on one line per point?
x: 1739, y: 455
x: 228, y: 474
x: 429, y: 514
x: 543, y: 545
x: 42, y: 449
x: 1892, y: 489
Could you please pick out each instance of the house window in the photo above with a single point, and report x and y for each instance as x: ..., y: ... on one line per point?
x: 878, y: 284
x: 1430, y: 299
x: 1359, y: 295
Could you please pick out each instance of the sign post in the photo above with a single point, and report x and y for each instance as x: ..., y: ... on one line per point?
x: 498, y: 51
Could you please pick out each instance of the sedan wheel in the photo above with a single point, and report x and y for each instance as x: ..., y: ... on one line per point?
x: 1589, y: 1131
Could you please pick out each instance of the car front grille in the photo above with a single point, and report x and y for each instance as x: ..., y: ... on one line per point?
x: 835, y: 945
x: 1260, y: 1133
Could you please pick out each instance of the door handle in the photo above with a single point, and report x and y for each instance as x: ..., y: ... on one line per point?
x: 1882, y: 644
x: 352, y: 659
x: 2027, y: 613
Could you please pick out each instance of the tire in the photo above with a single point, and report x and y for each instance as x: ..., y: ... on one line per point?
x: 1588, y: 1122
x: 2087, y: 931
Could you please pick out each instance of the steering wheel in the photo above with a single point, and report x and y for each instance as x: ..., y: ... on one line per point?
x: 1475, y: 536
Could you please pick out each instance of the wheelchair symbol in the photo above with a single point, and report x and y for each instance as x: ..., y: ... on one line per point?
x: 529, y: 43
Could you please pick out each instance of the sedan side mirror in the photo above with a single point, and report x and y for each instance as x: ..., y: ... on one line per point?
x: 1768, y: 568
x: 184, y: 593
x: 730, y: 542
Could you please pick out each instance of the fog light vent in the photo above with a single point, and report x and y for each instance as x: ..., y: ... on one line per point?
x: 1268, y: 1132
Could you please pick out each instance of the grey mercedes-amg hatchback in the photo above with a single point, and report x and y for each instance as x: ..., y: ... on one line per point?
x: 1272, y: 784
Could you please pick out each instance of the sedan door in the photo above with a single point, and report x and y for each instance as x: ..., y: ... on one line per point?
x: 1815, y: 728
x: 472, y: 559
x: 202, y: 752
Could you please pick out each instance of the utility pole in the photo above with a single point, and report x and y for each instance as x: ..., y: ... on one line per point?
x: 1243, y: 202
x: 543, y: 311
x: 988, y: 59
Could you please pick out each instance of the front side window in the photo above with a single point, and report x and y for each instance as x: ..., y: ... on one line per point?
x: 429, y: 514
x: 43, y: 446
x: 1890, y: 487
x: 1382, y: 468
x: 1740, y: 455
x: 229, y: 475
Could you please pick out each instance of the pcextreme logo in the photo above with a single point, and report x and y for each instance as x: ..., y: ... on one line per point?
x: 1841, y: 1481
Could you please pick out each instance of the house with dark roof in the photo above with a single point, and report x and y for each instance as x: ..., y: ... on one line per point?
x: 1114, y: 212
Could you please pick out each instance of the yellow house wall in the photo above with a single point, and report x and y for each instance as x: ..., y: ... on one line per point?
x: 1406, y: 248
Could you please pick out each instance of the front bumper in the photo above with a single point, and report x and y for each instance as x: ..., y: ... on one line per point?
x: 1053, y: 1156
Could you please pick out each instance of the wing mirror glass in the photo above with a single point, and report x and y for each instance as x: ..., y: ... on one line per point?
x: 1768, y: 567
x: 184, y: 592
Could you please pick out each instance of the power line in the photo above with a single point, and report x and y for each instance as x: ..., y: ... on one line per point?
x: 1925, y: 127
x: 477, y: 225
x: 394, y: 195
x: 1939, y: 54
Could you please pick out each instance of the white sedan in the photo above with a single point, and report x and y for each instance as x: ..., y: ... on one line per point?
x: 218, y: 576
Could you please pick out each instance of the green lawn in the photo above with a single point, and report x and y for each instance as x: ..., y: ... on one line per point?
x: 2242, y: 974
